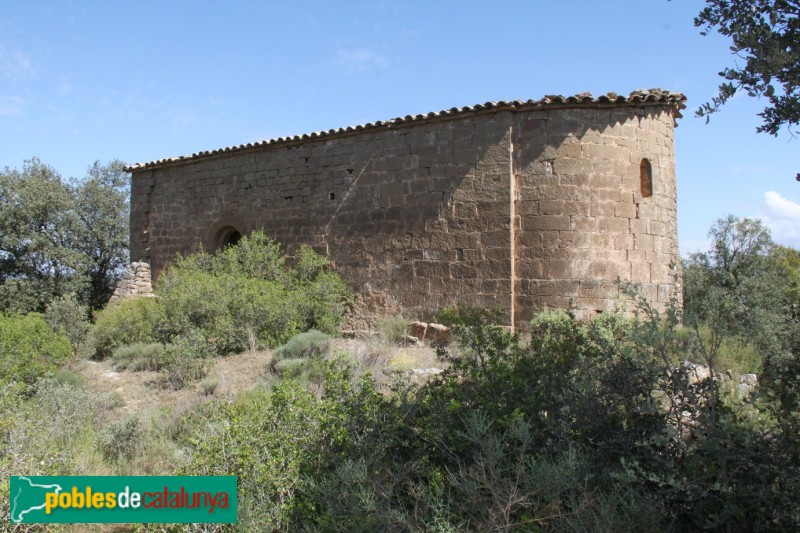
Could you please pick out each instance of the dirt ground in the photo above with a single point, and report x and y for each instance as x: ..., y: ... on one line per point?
x: 141, y: 393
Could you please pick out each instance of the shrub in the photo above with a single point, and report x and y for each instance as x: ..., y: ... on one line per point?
x: 185, y: 361
x: 285, y: 438
x: 29, y: 348
x: 125, y: 321
x: 69, y: 378
x: 311, y: 344
x: 46, y: 433
x: 394, y: 329
x: 247, y: 296
x: 139, y: 356
x: 69, y: 317
x: 209, y: 386
x: 121, y: 439
x: 290, y: 368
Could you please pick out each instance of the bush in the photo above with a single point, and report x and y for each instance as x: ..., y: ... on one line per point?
x: 312, y: 344
x: 125, y: 321
x: 69, y: 317
x: 285, y: 438
x: 590, y: 426
x: 185, y: 361
x: 394, y: 329
x: 121, y: 439
x: 29, y: 348
x: 139, y: 356
x: 45, y: 434
x: 290, y: 368
x: 247, y: 297
x: 209, y: 386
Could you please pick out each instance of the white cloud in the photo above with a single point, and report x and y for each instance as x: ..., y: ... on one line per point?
x: 360, y: 60
x: 782, y: 216
x: 15, y: 65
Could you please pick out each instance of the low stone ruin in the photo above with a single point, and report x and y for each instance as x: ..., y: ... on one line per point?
x: 135, y: 282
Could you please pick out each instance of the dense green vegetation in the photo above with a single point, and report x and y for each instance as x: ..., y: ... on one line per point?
x: 245, y: 297
x: 580, y: 426
x: 61, y: 237
x: 588, y: 427
x: 29, y: 349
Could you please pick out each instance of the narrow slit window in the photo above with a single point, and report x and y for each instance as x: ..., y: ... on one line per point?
x: 646, y: 178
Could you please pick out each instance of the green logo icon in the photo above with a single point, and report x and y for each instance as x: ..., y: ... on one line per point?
x: 123, y: 499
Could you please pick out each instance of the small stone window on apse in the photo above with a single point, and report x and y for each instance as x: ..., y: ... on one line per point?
x: 646, y: 178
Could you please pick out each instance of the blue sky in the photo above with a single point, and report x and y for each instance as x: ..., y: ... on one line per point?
x: 88, y: 80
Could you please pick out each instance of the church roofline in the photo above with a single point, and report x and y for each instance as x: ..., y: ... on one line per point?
x: 641, y: 97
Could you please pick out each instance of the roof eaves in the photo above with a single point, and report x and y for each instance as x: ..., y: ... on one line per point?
x: 638, y: 97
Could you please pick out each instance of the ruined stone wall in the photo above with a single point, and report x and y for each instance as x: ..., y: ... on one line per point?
x: 516, y: 209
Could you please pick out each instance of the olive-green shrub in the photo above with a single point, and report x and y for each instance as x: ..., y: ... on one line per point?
x: 312, y: 344
x: 69, y: 317
x: 249, y: 296
x: 125, y: 321
x: 29, y: 348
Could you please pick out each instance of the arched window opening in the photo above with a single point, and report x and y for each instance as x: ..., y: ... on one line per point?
x: 227, y: 236
x: 233, y: 239
x: 646, y: 178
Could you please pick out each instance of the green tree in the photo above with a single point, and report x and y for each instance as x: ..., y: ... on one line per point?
x: 59, y: 237
x: 737, y: 286
x: 102, y: 230
x: 38, y: 256
x: 766, y: 35
x: 746, y: 287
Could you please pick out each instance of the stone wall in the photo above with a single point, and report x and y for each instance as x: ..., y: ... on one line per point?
x: 517, y: 206
x: 135, y: 282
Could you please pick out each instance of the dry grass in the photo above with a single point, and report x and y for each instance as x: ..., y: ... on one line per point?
x: 139, y: 393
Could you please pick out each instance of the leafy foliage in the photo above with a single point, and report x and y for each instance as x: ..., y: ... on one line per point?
x: 247, y: 296
x: 58, y: 237
x: 746, y: 287
x: 121, y: 439
x: 590, y: 426
x: 766, y: 35
x: 123, y: 322
x: 69, y: 317
x: 394, y: 329
x: 311, y: 344
x: 29, y: 349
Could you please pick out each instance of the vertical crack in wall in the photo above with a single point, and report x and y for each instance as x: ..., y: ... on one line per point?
x: 512, y: 192
x: 145, y: 238
x: 327, y: 228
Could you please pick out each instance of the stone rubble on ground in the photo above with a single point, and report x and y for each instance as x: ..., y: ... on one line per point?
x: 433, y: 333
x: 745, y: 383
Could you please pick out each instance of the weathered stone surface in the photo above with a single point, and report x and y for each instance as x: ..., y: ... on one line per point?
x: 502, y: 208
x: 438, y: 334
x: 418, y: 329
x: 135, y: 282
x: 748, y: 379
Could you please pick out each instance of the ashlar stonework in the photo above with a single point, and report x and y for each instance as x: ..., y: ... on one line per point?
x: 516, y: 205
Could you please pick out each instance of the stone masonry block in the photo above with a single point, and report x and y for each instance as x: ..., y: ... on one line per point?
x: 416, y: 214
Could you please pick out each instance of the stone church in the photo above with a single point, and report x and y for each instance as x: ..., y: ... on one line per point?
x: 516, y: 205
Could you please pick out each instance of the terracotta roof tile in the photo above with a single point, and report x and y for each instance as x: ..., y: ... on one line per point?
x: 636, y: 98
